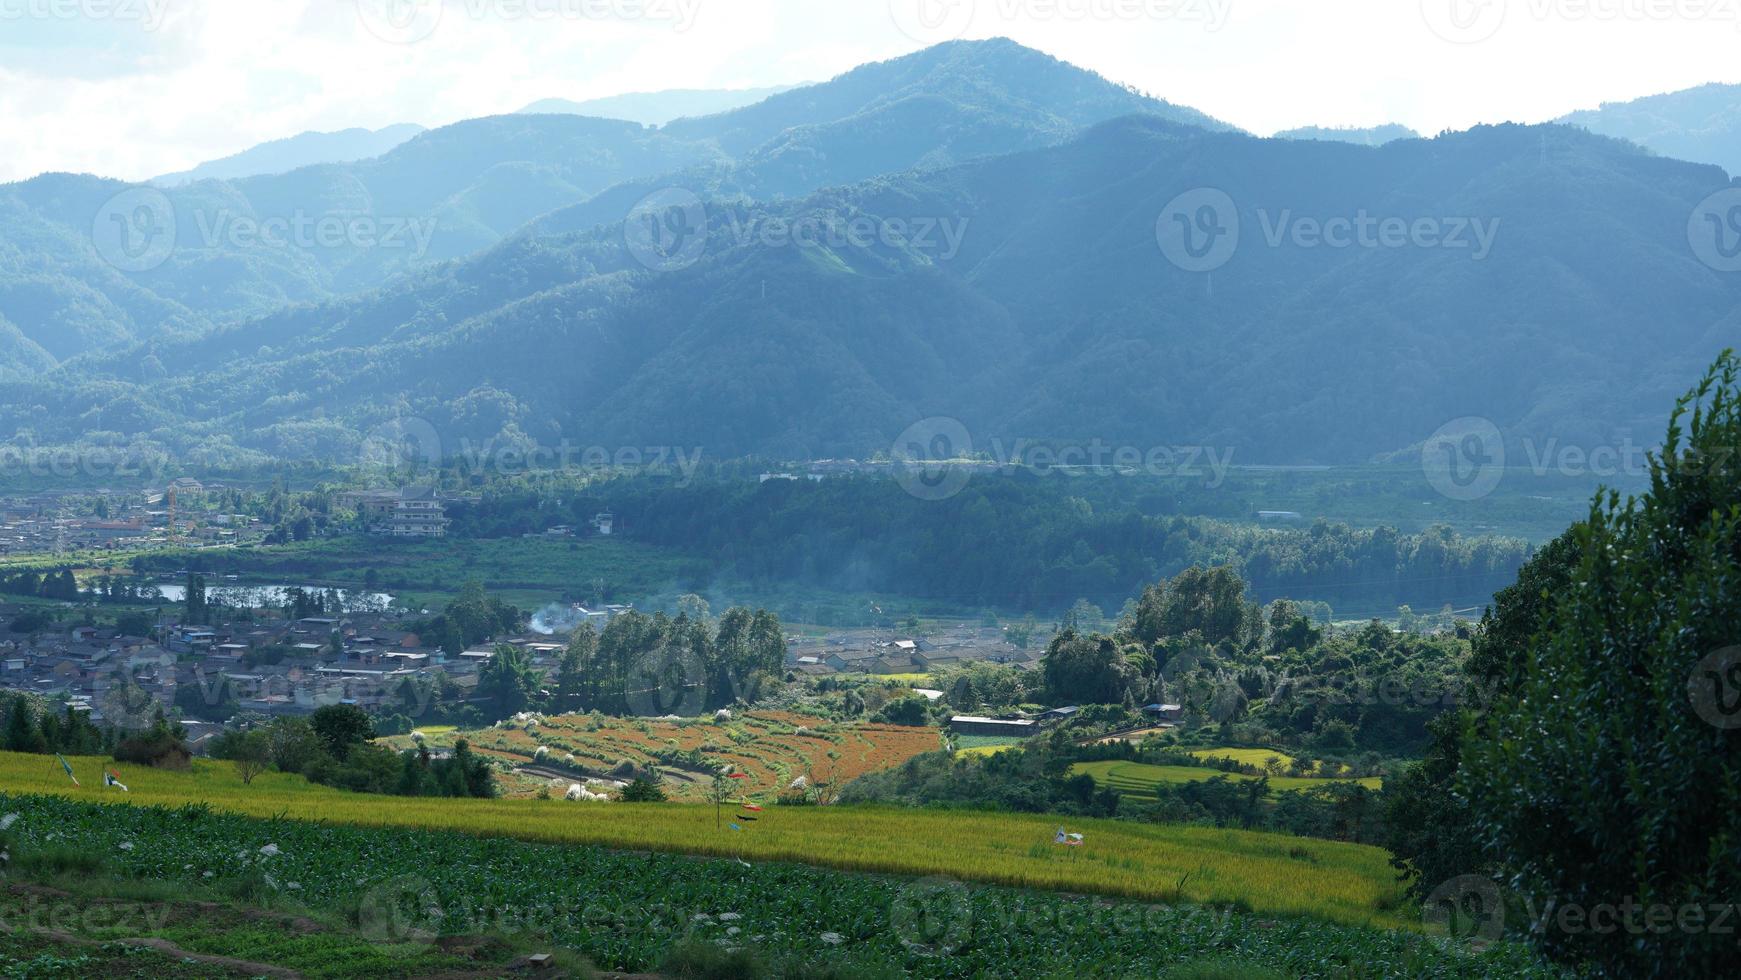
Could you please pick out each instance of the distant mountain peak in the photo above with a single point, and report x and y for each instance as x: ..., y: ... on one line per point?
x: 295, y: 152
x: 1360, y: 136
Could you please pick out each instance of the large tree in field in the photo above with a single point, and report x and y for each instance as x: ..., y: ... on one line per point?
x: 1609, y: 778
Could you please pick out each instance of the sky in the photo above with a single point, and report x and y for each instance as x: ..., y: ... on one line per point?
x: 137, y: 88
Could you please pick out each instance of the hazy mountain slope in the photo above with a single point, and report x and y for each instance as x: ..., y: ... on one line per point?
x: 1700, y: 124
x: 301, y: 150
x: 943, y: 105
x: 658, y: 108
x: 1372, y: 136
x: 245, y: 248
x: 1059, y: 318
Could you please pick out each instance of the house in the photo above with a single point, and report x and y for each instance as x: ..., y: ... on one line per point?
x: 937, y: 661
x: 928, y: 694
x: 970, y: 725
x: 853, y: 661
x: 415, y: 512
x: 1165, y: 712
x: 1059, y: 714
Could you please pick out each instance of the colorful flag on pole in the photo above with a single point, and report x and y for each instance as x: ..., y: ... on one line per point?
x: 111, y: 778
x: 67, y: 767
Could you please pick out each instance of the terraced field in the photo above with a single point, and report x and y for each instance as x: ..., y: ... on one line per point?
x: 1250, y: 757
x: 1139, y: 779
x: 772, y: 749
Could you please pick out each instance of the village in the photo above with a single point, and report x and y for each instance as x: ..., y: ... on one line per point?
x: 262, y: 664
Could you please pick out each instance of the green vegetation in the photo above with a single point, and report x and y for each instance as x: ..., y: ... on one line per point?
x: 1139, y: 780
x: 417, y: 890
x: 1597, y: 777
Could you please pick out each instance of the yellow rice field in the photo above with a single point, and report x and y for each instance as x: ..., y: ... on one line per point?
x: 1269, y: 873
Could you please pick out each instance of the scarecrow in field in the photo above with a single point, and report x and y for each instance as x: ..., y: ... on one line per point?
x: 1067, y: 840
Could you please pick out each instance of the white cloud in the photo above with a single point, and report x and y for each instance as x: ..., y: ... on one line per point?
x: 103, y: 93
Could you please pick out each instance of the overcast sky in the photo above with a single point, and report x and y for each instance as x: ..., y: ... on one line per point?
x: 135, y: 88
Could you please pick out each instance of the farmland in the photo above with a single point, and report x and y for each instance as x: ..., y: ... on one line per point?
x: 408, y: 884
x: 770, y: 748
x: 1138, y: 780
x: 1351, y: 884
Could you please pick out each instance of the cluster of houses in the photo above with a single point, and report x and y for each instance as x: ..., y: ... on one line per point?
x: 45, y: 523
x: 363, y: 660
x: 877, y: 653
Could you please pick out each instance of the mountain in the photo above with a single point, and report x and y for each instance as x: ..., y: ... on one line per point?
x: 1043, y: 309
x: 941, y: 106
x: 247, y: 247
x: 1374, y: 136
x: 658, y: 108
x: 291, y: 153
x: 1700, y: 124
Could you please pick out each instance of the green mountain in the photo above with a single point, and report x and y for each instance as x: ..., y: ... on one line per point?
x: 1538, y: 276
x: 89, y: 265
x: 1700, y: 124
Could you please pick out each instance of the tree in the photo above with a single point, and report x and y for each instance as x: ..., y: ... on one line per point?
x: 1610, y: 773
x: 253, y: 756
x: 22, y: 732
x: 510, y: 680
x: 195, y: 610
x: 913, y: 711
x: 576, y: 675
x: 643, y: 790
x: 1210, y: 602
x: 134, y: 624
x: 1086, y: 669
x: 341, y: 727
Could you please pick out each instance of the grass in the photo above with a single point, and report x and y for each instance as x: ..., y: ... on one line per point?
x: 1343, y: 883
x: 1250, y: 757
x: 1139, y: 779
